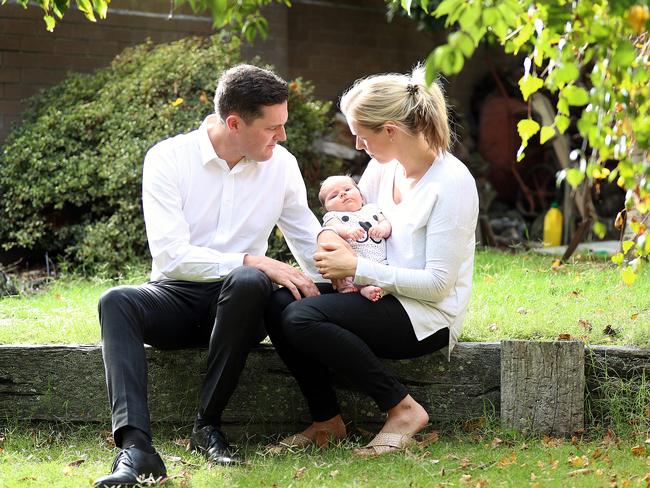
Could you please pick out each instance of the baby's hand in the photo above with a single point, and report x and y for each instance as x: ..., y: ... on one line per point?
x: 378, y: 233
x: 356, y: 234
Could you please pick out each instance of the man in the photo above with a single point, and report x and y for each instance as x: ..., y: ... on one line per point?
x: 211, y: 199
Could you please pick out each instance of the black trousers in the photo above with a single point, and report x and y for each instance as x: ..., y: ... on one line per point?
x: 345, y: 333
x: 226, y: 316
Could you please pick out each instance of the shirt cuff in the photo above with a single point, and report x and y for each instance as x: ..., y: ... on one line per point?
x: 364, y: 270
x: 230, y: 262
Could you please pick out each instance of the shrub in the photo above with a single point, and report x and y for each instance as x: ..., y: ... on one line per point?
x: 70, y: 174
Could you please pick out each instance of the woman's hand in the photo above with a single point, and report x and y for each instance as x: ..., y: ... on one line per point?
x: 335, y: 259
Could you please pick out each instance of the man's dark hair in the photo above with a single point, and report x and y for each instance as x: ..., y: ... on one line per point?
x: 245, y: 89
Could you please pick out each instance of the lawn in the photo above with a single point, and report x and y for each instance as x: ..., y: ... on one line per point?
x: 71, y: 456
x: 515, y: 296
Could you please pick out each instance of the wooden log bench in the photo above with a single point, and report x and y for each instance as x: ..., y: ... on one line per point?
x: 66, y: 382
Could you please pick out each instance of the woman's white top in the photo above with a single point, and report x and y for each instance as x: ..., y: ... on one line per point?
x: 431, y: 247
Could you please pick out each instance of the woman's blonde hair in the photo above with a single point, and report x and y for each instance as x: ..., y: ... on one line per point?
x: 407, y: 100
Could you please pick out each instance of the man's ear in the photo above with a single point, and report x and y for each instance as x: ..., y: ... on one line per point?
x: 233, y: 122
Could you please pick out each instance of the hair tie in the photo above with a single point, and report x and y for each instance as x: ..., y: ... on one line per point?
x: 412, y: 89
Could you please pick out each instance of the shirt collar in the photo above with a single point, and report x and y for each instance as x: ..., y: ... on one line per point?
x: 208, y: 154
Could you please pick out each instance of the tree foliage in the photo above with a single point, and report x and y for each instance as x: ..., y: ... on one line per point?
x: 594, y: 56
x: 243, y: 15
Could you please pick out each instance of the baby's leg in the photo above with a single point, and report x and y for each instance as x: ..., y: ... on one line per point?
x: 346, y: 285
x: 371, y: 292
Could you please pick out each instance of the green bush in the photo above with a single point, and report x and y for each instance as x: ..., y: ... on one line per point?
x: 70, y: 174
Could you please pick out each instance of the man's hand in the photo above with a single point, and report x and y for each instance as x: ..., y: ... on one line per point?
x: 283, y: 274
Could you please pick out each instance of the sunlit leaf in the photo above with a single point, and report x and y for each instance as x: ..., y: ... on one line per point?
x: 527, y: 128
x: 627, y: 245
x: 576, y: 95
x: 617, y: 258
x: 562, y: 123
x: 574, y: 177
x: 49, y: 22
x: 529, y: 84
x: 546, y: 133
x: 628, y: 275
x: 599, y: 229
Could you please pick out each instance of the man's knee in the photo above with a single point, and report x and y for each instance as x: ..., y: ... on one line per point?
x: 298, y: 318
x: 249, y: 281
x: 114, y: 303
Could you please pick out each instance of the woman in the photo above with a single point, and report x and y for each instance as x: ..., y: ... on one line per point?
x: 430, y: 198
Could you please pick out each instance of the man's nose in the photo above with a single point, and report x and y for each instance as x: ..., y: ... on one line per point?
x: 282, y: 134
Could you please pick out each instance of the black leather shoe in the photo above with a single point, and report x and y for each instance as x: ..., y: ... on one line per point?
x: 132, y: 466
x: 212, y: 443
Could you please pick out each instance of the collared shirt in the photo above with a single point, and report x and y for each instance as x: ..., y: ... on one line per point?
x: 431, y: 248
x: 202, y: 217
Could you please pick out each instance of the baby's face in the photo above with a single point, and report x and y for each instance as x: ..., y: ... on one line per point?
x: 342, y: 195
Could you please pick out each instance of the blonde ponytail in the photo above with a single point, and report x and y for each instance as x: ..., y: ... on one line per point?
x: 406, y: 100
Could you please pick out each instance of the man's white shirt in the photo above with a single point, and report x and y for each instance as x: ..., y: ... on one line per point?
x: 202, y: 217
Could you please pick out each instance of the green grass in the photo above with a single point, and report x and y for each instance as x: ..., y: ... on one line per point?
x: 74, y: 455
x: 515, y: 296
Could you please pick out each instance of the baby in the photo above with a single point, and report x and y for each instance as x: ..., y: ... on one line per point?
x: 363, y: 226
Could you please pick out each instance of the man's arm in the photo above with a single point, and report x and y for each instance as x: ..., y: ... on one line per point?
x: 168, y: 232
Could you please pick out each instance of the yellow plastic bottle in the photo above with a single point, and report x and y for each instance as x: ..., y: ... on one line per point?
x: 553, y: 226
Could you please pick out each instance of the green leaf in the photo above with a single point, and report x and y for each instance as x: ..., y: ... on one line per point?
x: 101, y: 7
x: 491, y: 16
x: 431, y: 68
x: 562, y: 123
x: 617, y: 258
x: 446, y: 7
x: 529, y: 84
x: 49, y: 22
x: 567, y: 73
x: 425, y: 5
x: 471, y: 14
x: 574, y: 177
x: 462, y: 41
x: 599, y: 229
x: 627, y: 245
x: 86, y: 7
x: 628, y: 275
x: 624, y: 55
x: 575, y: 95
x: 527, y: 128
x: 547, y: 133
x: 406, y: 5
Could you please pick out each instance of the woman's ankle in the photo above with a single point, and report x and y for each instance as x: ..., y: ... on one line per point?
x: 407, y: 417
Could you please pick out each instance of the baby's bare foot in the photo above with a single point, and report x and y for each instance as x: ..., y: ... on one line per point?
x: 372, y: 293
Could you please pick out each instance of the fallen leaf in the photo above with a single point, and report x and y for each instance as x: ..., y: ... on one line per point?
x: 585, y: 324
x: 596, y: 454
x: 536, y: 485
x: 522, y: 311
x: 555, y: 463
x: 609, y: 330
x: 552, y: 441
x: 430, y: 438
x: 173, y: 459
x: 496, y: 442
x: 334, y: 473
x: 564, y: 337
x: 580, y: 471
x: 541, y: 464
x: 647, y: 441
x: 575, y: 293
x: 524, y: 446
x: 508, y: 460
x: 488, y: 279
x: 533, y: 477
x: 299, y: 473
x: 634, y: 316
x: 574, y: 440
x: 76, y: 462
x: 182, y: 442
x: 579, y: 461
x: 481, y: 483
x: 493, y: 327
x: 464, y: 463
x: 557, y: 264
x: 466, y: 478
x: 637, y: 450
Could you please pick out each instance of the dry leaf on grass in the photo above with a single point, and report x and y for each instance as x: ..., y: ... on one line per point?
x: 637, y: 450
x: 580, y: 471
x: 430, y: 438
x: 76, y: 462
x: 300, y: 472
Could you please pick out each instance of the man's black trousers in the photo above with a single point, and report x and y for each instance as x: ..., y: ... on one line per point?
x: 226, y: 316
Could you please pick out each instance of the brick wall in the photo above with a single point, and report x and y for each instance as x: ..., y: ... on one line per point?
x: 331, y: 42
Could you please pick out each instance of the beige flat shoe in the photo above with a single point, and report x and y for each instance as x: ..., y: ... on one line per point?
x: 384, y: 443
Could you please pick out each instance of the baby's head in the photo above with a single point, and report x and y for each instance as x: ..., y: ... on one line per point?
x: 340, y: 194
